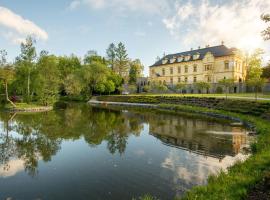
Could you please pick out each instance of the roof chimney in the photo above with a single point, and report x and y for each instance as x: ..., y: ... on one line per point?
x: 222, y: 42
x: 207, y: 45
x: 199, y: 47
x: 191, y: 49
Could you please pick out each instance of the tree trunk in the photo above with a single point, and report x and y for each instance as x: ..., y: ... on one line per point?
x: 256, y: 93
x: 7, y: 98
x: 28, y: 87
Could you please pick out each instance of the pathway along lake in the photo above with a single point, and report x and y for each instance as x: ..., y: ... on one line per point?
x: 84, y: 152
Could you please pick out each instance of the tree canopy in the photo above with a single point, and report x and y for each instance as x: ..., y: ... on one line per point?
x: 45, y: 78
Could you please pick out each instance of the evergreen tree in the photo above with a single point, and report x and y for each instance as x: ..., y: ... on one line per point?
x: 111, y: 55
x: 122, y: 66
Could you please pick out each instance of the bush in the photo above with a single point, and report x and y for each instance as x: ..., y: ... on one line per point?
x: 219, y: 90
x: 146, y: 88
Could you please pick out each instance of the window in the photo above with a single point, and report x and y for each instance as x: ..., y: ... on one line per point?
x: 163, y: 72
x: 186, y: 69
x: 179, y: 59
x: 172, y: 60
x: 179, y: 70
x: 195, y: 79
x: 209, y: 79
x: 196, y: 56
x: 164, y: 61
x: 179, y: 79
x: 226, y: 65
x: 195, y: 68
x: 171, y: 80
x: 187, y: 57
x: 207, y: 67
x: 171, y: 70
x: 186, y: 79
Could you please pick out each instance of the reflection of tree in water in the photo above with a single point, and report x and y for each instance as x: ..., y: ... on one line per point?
x: 117, y: 142
x: 7, y: 144
x: 40, y: 134
x: 29, y: 146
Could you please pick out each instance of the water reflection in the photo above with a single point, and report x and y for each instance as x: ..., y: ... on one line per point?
x: 194, y: 135
x: 182, y: 153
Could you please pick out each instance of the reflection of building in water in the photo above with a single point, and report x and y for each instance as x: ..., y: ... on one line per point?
x: 199, y: 136
x: 238, y: 140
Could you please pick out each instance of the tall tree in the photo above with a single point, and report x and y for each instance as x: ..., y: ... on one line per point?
x: 111, y: 55
x: 73, y: 84
x: 121, y: 60
x: 48, y: 79
x: 6, y: 74
x: 25, y: 63
x: 135, y: 71
x: 255, y: 72
x: 255, y: 64
x: 266, y: 32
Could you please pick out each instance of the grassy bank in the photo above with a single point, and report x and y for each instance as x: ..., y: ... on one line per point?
x: 24, y: 107
x: 242, y: 177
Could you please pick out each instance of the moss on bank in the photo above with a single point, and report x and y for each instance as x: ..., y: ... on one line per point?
x: 242, y: 177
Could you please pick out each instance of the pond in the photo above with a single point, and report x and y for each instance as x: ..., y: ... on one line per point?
x: 84, y: 152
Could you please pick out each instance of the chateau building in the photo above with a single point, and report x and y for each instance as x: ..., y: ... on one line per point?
x: 209, y: 64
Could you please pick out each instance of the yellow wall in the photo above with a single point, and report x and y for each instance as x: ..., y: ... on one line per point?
x: 237, y: 70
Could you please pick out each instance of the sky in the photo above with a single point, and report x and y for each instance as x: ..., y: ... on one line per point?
x: 148, y: 28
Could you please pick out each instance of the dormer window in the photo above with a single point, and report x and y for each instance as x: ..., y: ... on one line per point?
x: 187, y: 57
x: 180, y: 59
x: 164, y: 61
x: 172, y: 60
x: 196, y: 56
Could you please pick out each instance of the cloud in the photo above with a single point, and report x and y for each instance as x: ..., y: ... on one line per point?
x: 15, y: 166
x: 139, y: 33
x: 146, y: 6
x: 237, y: 23
x: 15, y: 28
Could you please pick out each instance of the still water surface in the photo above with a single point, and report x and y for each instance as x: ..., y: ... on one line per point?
x: 84, y: 152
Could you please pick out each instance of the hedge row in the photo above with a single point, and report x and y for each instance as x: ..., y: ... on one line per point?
x: 259, y: 109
